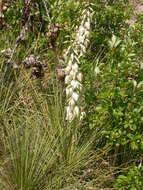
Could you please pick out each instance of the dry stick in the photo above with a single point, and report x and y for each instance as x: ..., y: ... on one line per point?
x: 0, y: 8
x: 85, y: 173
x: 18, y: 40
x: 47, y: 12
x: 22, y: 33
x: 25, y: 12
x: 54, y: 48
x: 51, y: 26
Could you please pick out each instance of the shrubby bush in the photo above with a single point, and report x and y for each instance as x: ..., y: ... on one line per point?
x: 132, y: 180
x: 113, y: 85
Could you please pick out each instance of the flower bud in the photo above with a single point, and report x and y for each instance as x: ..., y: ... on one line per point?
x: 4, y: 8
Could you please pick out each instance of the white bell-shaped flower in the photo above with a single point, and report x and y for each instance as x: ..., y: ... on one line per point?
x: 68, y: 109
x: 87, y: 25
x: 75, y: 67
x: 75, y: 84
x: 81, y: 30
x: 69, y: 91
x: 81, y: 39
x: 70, y: 62
x: 72, y: 103
x: 72, y: 74
x: 67, y: 70
x: 83, y: 48
x: 75, y: 96
x: 76, y: 111
x: 79, y: 77
x: 67, y: 79
x: 69, y: 116
x: 87, y: 33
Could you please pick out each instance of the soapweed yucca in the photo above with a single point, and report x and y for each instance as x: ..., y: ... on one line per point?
x: 41, y: 150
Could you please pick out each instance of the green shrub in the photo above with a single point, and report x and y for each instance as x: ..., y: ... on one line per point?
x: 132, y: 180
x: 113, y: 88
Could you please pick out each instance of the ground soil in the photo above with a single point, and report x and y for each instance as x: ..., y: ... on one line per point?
x: 138, y: 9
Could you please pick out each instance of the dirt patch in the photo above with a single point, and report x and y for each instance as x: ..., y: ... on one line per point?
x: 138, y: 6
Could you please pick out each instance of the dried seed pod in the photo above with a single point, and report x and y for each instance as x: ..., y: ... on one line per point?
x: 37, y: 66
x: 49, y: 34
x: 25, y: 12
x: 29, y: 61
x: 38, y: 71
x: 1, y: 15
x: 32, y: 59
x: 7, y: 52
x: 15, y: 66
x: 4, y: 8
x: 53, y: 34
x: 60, y: 73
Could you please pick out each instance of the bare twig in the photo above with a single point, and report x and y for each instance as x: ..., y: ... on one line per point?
x: 18, y: 40
x: 25, y: 12
x: 85, y: 173
x: 47, y: 13
x: 21, y: 37
x: 0, y: 8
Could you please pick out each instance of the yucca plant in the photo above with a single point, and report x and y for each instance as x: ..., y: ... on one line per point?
x: 41, y: 150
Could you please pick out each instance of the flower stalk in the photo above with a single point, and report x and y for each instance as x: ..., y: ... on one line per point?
x: 73, y: 79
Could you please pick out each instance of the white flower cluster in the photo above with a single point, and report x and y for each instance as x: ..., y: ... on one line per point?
x: 73, y: 77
